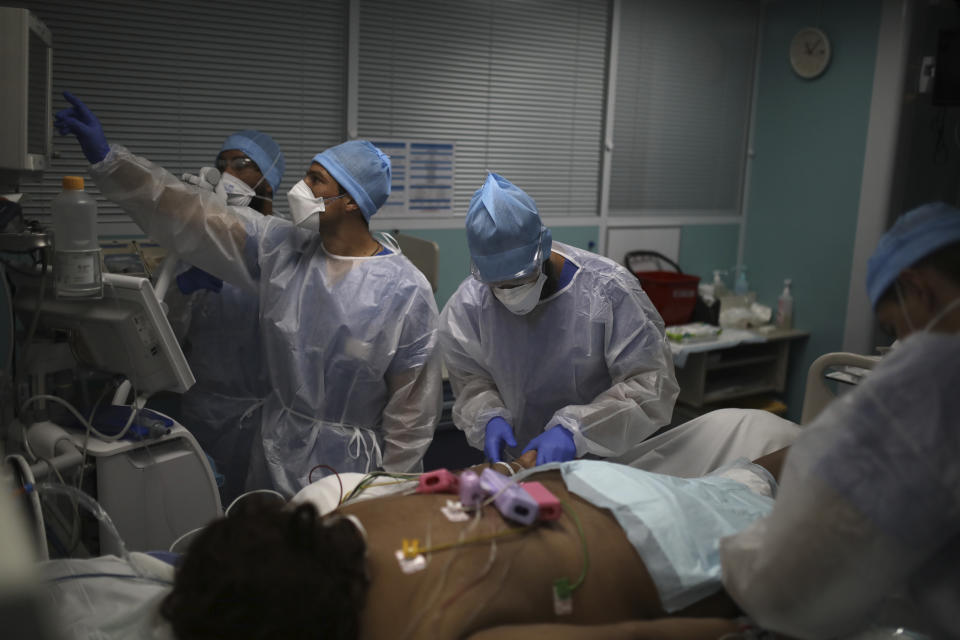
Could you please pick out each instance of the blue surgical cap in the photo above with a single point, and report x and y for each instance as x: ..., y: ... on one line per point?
x: 362, y: 170
x: 504, y: 232
x: 262, y: 149
x: 915, y: 235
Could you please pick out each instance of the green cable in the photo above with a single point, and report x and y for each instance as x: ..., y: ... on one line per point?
x: 368, y: 479
x: 562, y: 586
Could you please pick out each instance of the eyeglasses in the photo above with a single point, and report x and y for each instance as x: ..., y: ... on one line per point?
x: 238, y: 163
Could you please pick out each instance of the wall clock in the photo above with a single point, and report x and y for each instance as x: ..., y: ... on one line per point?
x: 809, y: 52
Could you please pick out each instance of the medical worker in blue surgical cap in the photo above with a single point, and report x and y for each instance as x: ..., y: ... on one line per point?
x: 549, y: 347
x: 220, y: 322
x: 866, y: 526
x: 348, y: 324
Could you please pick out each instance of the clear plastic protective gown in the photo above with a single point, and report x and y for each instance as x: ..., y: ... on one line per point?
x: 593, y: 358
x: 866, y: 526
x: 221, y: 339
x: 349, y: 343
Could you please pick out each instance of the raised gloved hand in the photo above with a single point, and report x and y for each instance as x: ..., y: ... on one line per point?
x: 81, y: 122
x: 194, y: 279
x: 553, y: 445
x: 498, y: 433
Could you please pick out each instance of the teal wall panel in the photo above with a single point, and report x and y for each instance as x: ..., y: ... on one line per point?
x: 810, y: 137
x: 704, y: 248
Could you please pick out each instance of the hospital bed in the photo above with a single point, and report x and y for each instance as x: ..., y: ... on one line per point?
x: 847, y: 368
x: 137, y: 618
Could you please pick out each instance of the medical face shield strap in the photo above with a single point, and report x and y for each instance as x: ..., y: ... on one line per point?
x: 937, y: 317
x: 950, y: 306
x: 263, y: 176
x: 534, y: 269
x: 903, y: 306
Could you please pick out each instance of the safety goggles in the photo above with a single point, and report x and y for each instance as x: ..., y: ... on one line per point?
x: 528, y: 274
x: 240, y: 163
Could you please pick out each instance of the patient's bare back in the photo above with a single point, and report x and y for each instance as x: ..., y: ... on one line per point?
x: 497, y: 573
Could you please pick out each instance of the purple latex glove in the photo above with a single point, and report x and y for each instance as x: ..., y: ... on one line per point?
x: 81, y: 122
x: 498, y: 433
x: 553, y: 445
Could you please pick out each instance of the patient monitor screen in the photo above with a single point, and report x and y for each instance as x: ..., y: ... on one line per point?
x: 125, y: 332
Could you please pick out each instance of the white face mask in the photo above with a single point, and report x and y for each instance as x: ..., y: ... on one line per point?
x: 521, y: 300
x: 234, y: 191
x: 305, y: 208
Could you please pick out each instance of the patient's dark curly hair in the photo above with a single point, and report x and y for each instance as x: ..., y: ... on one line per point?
x: 270, y: 572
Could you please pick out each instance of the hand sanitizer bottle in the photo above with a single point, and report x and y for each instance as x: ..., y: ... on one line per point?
x: 719, y: 287
x: 741, y: 287
x: 785, y: 307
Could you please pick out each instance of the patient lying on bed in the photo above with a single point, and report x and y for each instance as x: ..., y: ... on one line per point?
x: 633, y: 546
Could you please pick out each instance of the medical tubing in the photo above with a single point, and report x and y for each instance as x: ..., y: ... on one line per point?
x: 8, y: 360
x: 124, y: 576
x: 76, y: 414
x: 98, y: 512
x: 322, y: 466
x: 36, y: 314
x: 512, y: 481
x: 367, y: 481
x: 415, y: 620
x: 51, y: 515
x: 248, y: 493
x: 361, y: 486
x: 74, y: 528
x: 86, y: 436
x: 508, y: 466
x: 27, y: 482
x: 583, y: 545
x: 339, y: 481
x: 186, y: 535
x: 443, y: 546
x: 92, y: 505
x: 26, y: 442
x: 484, y: 572
x: 492, y: 593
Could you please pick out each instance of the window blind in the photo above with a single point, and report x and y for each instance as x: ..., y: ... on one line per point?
x: 171, y: 80
x: 517, y: 85
x: 683, y: 94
